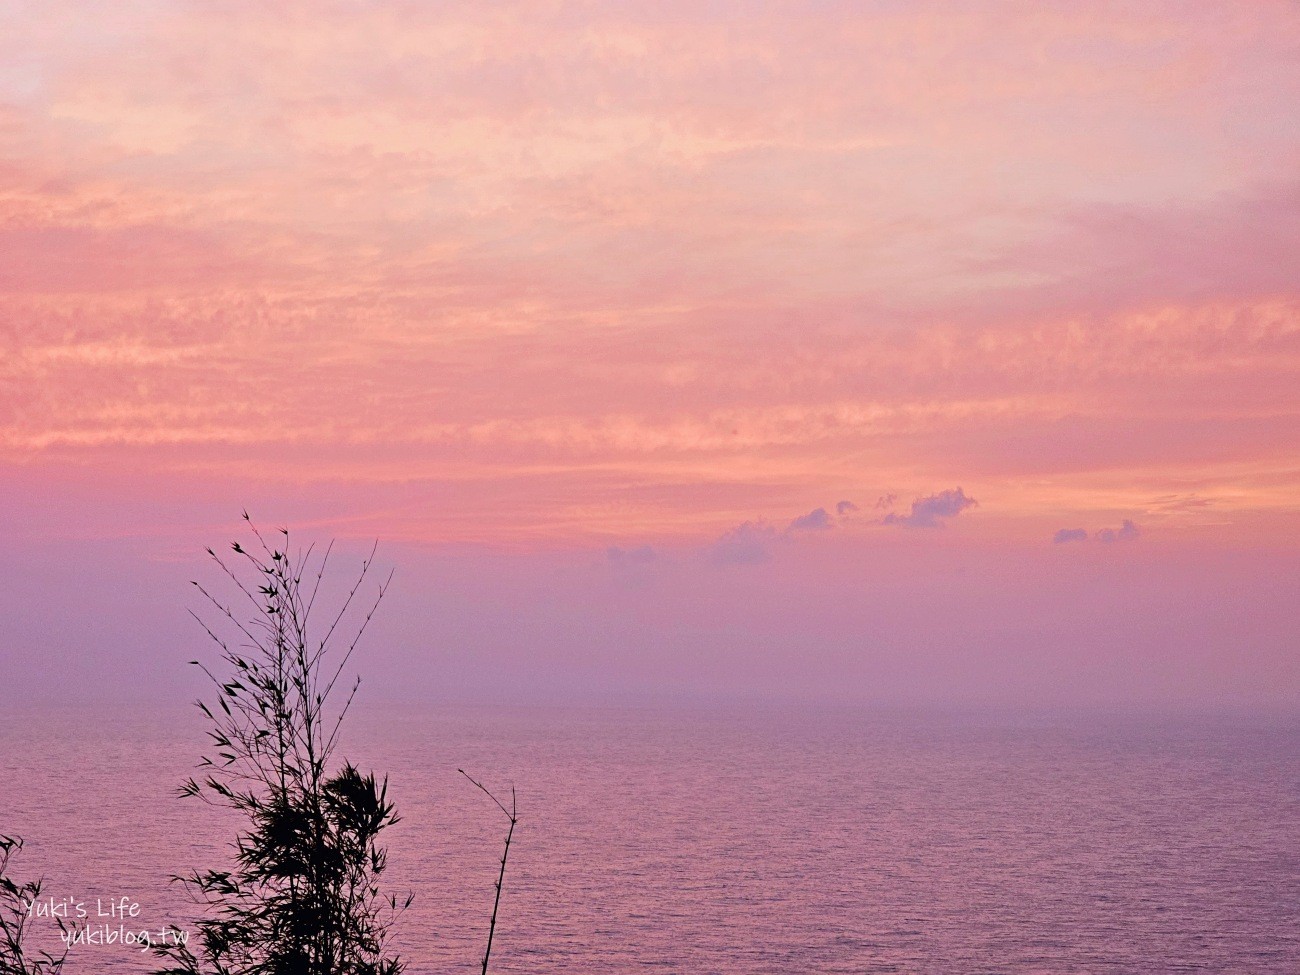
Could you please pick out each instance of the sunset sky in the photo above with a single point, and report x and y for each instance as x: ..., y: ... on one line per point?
x: 865, y: 351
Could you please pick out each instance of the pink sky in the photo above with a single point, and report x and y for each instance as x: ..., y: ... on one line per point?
x: 586, y: 310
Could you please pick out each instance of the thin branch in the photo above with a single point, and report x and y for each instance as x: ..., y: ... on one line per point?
x: 513, y: 816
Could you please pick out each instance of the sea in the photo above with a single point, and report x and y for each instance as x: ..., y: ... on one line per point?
x: 726, y: 838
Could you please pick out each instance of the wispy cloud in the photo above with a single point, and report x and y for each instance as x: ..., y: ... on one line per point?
x: 1178, y: 502
x: 536, y: 266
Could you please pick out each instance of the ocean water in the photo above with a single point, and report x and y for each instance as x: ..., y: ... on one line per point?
x: 735, y: 841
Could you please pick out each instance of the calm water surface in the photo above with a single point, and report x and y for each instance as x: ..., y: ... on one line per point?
x: 763, y: 841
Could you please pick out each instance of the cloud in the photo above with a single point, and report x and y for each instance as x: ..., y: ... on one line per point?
x: 1070, y: 535
x: 814, y: 521
x: 843, y: 508
x: 1125, y: 533
x: 929, y: 512
x: 746, y: 544
x: 640, y: 555
x: 1050, y: 320
x: 1109, y: 255
x: 1176, y: 502
x: 885, y: 501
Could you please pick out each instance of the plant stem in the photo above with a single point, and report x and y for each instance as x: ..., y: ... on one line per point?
x: 512, y: 814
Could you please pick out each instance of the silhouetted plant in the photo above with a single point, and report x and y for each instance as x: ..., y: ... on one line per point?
x: 16, y: 909
x: 303, y: 896
x: 513, y: 815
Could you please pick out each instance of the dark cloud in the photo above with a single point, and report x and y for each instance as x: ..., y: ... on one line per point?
x: 1070, y: 535
x: 929, y: 512
x: 746, y: 544
x: 814, y: 521
x: 630, y: 556
x: 843, y: 508
x: 1125, y: 533
x: 885, y: 501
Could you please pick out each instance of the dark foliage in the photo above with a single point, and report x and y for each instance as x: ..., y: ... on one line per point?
x: 16, y: 902
x: 302, y: 896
